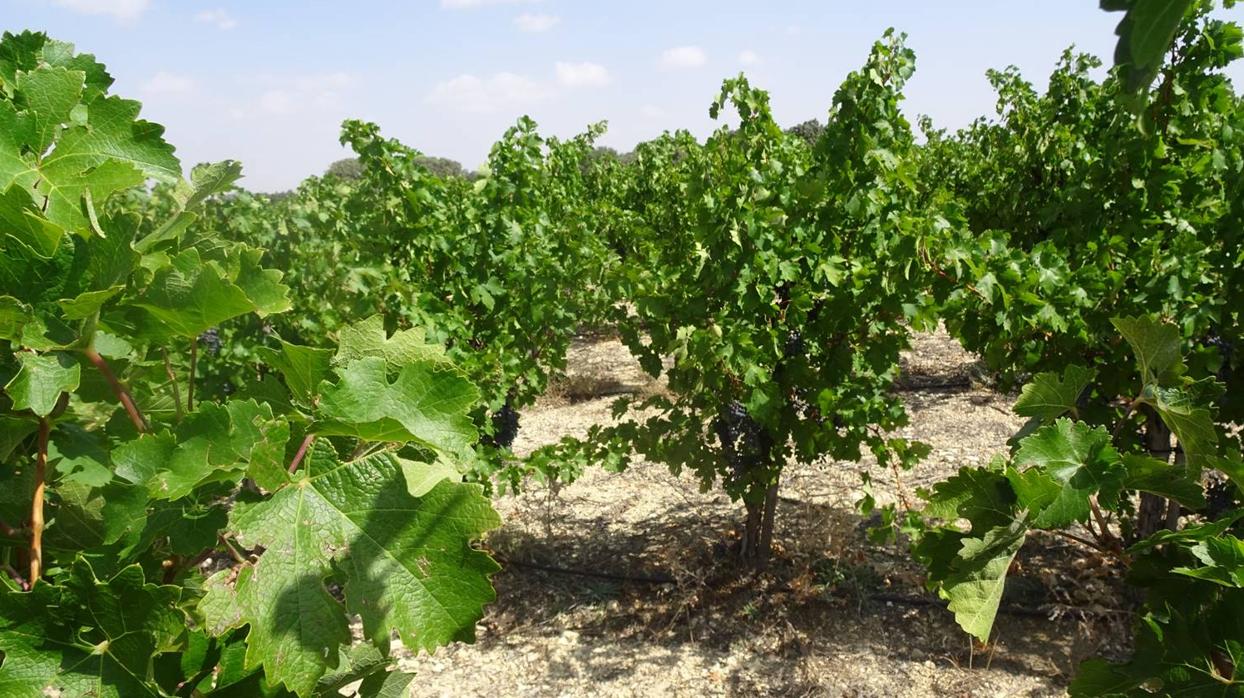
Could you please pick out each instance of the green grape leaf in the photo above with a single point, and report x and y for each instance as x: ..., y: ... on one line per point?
x: 205, y: 181
x: 978, y: 576
x: 1146, y: 474
x: 1049, y: 395
x: 1188, y: 534
x: 1064, y: 464
x: 87, y: 637
x: 407, y: 565
x: 368, y: 338
x: 41, y: 380
x: 84, y: 305
x: 1192, y: 424
x: 47, y: 95
x: 113, y: 133
x: 262, y: 287
x: 983, y: 497
x: 13, y: 431
x: 216, y: 442
x: 1222, y: 558
x: 427, y: 402
x: 422, y: 477
x: 303, y: 367
x: 79, y: 456
x: 14, y: 314
x: 24, y: 223
x: 191, y: 297
x: 1145, y: 34
x: 1156, y: 346
x: 62, y: 192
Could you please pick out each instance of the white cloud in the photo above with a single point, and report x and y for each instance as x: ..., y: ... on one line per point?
x: 749, y: 57
x: 469, y: 93
x: 652, y: 111
x: 123, y: 10
x: 220, y: 18
x: 684, y: 57
x: 535, y: 24
x: 277, y: 102
x: 468, y: 4
x: 794, y: 30
x: 166, y: 83
x: 582, y: 75
x: 283, y: 95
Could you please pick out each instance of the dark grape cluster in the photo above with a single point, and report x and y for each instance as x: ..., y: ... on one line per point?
x: 504, y: 427
x: 744, y: 441
x: 795, y: 346
x: 211, y: 341
x: 1226, y: 351
x: 1221, y: 496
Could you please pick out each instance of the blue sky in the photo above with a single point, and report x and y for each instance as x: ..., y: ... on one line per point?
x: 269, y: 82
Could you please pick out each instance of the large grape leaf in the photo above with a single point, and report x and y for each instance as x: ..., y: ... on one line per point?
x: 1156, y: 346
x: 303, y: 367
x: 191, y: 297
x: 47, y: 95
x: 114, y: 132
x: 1147, y: 474
x: 427, y: 402
x: 978, y: 576
x: 1049, y: 395
x: 406, y: 564
x: 87, y: 637
x: 1063, y: 465
x: 1222, y: 561
x: 1191, y: 423
x: 368, y: 338
x: 41, y: 380
x: 205, y: 180
x: 982, y: 496
x: 1145, y: 34
x: 217, y: 441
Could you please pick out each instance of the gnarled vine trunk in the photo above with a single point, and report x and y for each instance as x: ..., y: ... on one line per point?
x: 758, y: 530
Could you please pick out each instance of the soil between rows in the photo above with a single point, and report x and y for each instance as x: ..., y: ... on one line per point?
x: 621, y: 584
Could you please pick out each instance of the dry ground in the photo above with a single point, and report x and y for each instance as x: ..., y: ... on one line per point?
x: 620, y: 584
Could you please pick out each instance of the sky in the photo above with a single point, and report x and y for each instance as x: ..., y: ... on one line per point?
x: 268, y: 82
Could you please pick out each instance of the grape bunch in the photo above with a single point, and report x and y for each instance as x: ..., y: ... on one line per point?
x: 1226, y: 351
x: 744, y: 441
x: 795, y: 346
x: 504, y: 427
x: 211, y: 341
x: 1221, y: 496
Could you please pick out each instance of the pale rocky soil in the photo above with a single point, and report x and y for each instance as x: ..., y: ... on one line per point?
x: 668, y: 613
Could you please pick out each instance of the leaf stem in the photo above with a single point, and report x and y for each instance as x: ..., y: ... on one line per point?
x: 122, y: 393
x: 36, y: 507
x: 1095, y: 546
x: 17, y: 577
x: 194, y: 364
x: 233, y: 552
x: 302, y: 452
x: 172, y: 379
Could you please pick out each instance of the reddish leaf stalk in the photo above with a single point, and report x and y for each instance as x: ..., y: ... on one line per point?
x: 36, y: 508
x: 16, y: 577
x: 122, y: 393
x: 302, y: 453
